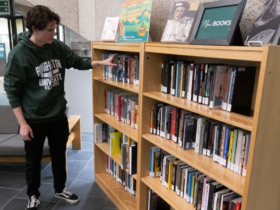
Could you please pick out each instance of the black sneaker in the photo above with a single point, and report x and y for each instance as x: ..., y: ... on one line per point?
x: 68, y: 196
x: 33, y: 203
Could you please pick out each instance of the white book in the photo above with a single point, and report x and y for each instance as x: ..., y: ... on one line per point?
x: 190, y: 77
x: 228, y: 86
x: 110, y: 29
x: 219, y: 87
x: 238, y: 151
x: 200, y: 122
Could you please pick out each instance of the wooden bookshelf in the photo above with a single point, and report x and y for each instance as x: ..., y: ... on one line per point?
x: 260, y: 188
x: 120, y: 85
x: 116, y: 192
x: 169, y: 196
x: 120, y: 126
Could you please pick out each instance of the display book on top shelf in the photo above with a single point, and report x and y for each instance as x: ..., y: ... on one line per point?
x: 262, y: 125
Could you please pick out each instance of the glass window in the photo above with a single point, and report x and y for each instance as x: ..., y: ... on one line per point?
x: 61, y: 33
x: 4, y: 35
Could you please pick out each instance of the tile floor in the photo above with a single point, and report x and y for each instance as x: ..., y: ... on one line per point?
x: 80, y: 181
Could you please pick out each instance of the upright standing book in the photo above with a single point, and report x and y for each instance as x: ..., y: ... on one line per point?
x: 110, y: 30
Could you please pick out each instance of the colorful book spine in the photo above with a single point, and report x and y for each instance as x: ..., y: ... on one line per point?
x: 247, y: 155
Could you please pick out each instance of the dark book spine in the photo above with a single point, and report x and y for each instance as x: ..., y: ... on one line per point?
x: 205, y: 84
x: 185, y: 81
x: 174, y: 77
x: 195, y: 193
x: 137, y: 69
x: 199, y: 194
x: 169, y: 125
x: 158, y: 121
x: 177, y: 122
x: 232, y: 89
x: 163, y: 85
x: 129, y: 72
x: 125, y: 73
x: 167, y: 75
x: 201, y: 84
x: 196, y: 83
x: 206, y: 138
x: 174, y: 177
x: 212, y: 86
x: 155, y: 120
x: 210, y: 140
x: 134, y: 159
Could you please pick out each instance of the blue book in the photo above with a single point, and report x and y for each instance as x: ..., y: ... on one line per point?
x: 217, y: 140
x: 226, y: 144
x: 151, y: 154
x: 190, y: 185
x: 109, y: 102
x: 128, y: 180
x: 247, y: 150
x: 179, y: 63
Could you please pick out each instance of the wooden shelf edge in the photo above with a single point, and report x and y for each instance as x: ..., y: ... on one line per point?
x: 204, y: 164
x: 120, y: 126
x: 116, y: 192
x: 168, y: 195
x: 125, y: 86
x: 231, y: 118
x: 220, y: 52
x: 125, y: 47
x: 134, y: 175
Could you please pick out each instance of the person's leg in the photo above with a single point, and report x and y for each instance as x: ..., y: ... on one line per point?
x: 34, y: 150
x: 57, y: 134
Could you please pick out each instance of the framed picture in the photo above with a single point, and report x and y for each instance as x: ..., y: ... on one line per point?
x: 180, y: 22
x: 266, y: 29
x: 217, y: 23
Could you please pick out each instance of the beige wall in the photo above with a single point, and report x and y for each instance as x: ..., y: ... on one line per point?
x: 160, y: 12
x: 67, y: 9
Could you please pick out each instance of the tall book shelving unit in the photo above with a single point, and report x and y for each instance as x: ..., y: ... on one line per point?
x: 260, y: 189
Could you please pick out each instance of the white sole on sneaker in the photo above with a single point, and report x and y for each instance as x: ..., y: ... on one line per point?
x: 69, y: 201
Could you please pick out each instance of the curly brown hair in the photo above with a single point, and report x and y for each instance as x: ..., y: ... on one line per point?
x: 39, y: 16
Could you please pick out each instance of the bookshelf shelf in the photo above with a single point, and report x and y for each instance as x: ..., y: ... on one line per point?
x: 231, y: 118
x: 220, y: 52
x: 116, y: 46
x: 134, y: 175
x: 116, y: 192
x: 202, y: 163
x: 120, y: 126
x: 168, y: 195
x: 125, y: 86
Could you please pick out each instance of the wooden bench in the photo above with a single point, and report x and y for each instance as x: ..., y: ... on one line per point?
x: 74, y: 138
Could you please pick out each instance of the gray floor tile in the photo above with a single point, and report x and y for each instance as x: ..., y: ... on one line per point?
x: 106, y: 208
x: 47, y: 177
x: 20, y: 204
x: 84, y: 188
x: 87, y: 173
x: 90, y: 164
x: 92, y: 203
x: 19, y: 168
x: 7, y: 195
x: 87, y: 139
x: 16, y: 181
x: 73, y: 165
x: 87, y: 146
x: 46, y: 190
x: 79, y: 155
x: 110, y: 204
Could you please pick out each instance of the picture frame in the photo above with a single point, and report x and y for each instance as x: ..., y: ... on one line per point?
x: 223, y: 26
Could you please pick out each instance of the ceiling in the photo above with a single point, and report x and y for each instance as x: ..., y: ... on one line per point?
x: 23, y: 2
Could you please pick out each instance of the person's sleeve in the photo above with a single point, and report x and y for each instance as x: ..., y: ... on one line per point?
x: 74, y: 61
x: 14, y: 80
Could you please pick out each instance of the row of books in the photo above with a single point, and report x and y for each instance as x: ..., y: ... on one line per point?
x: 223, y: 87
x: 226, y: 144
x: 122, y: 105
x: 120, y: 144
x: 121, y: 176
x: 197, y: 188
x: 126, y: 71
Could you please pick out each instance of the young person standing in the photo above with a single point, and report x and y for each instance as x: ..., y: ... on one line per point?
x: 34, y: 83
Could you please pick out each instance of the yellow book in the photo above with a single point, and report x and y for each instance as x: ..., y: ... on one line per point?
x: 115, y: 144
x: 157, y: 164
x: 230, y: 149
x: 170, y: 174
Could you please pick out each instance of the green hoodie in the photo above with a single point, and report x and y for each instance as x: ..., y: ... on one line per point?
x: 34, y: 78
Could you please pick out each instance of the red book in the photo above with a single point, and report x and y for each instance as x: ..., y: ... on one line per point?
x: 129, y: 71
x: 173, y: 123
x: 224, y: 87
x: 119, y: 115
x: 238, y: 206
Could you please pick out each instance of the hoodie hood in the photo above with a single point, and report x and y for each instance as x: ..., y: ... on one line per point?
x: 24, y: 38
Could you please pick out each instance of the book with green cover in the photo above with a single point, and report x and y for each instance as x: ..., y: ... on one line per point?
x: 232, y: 160
x: 115, y: 145
x: 193, y: 185
x: 230, y: 149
